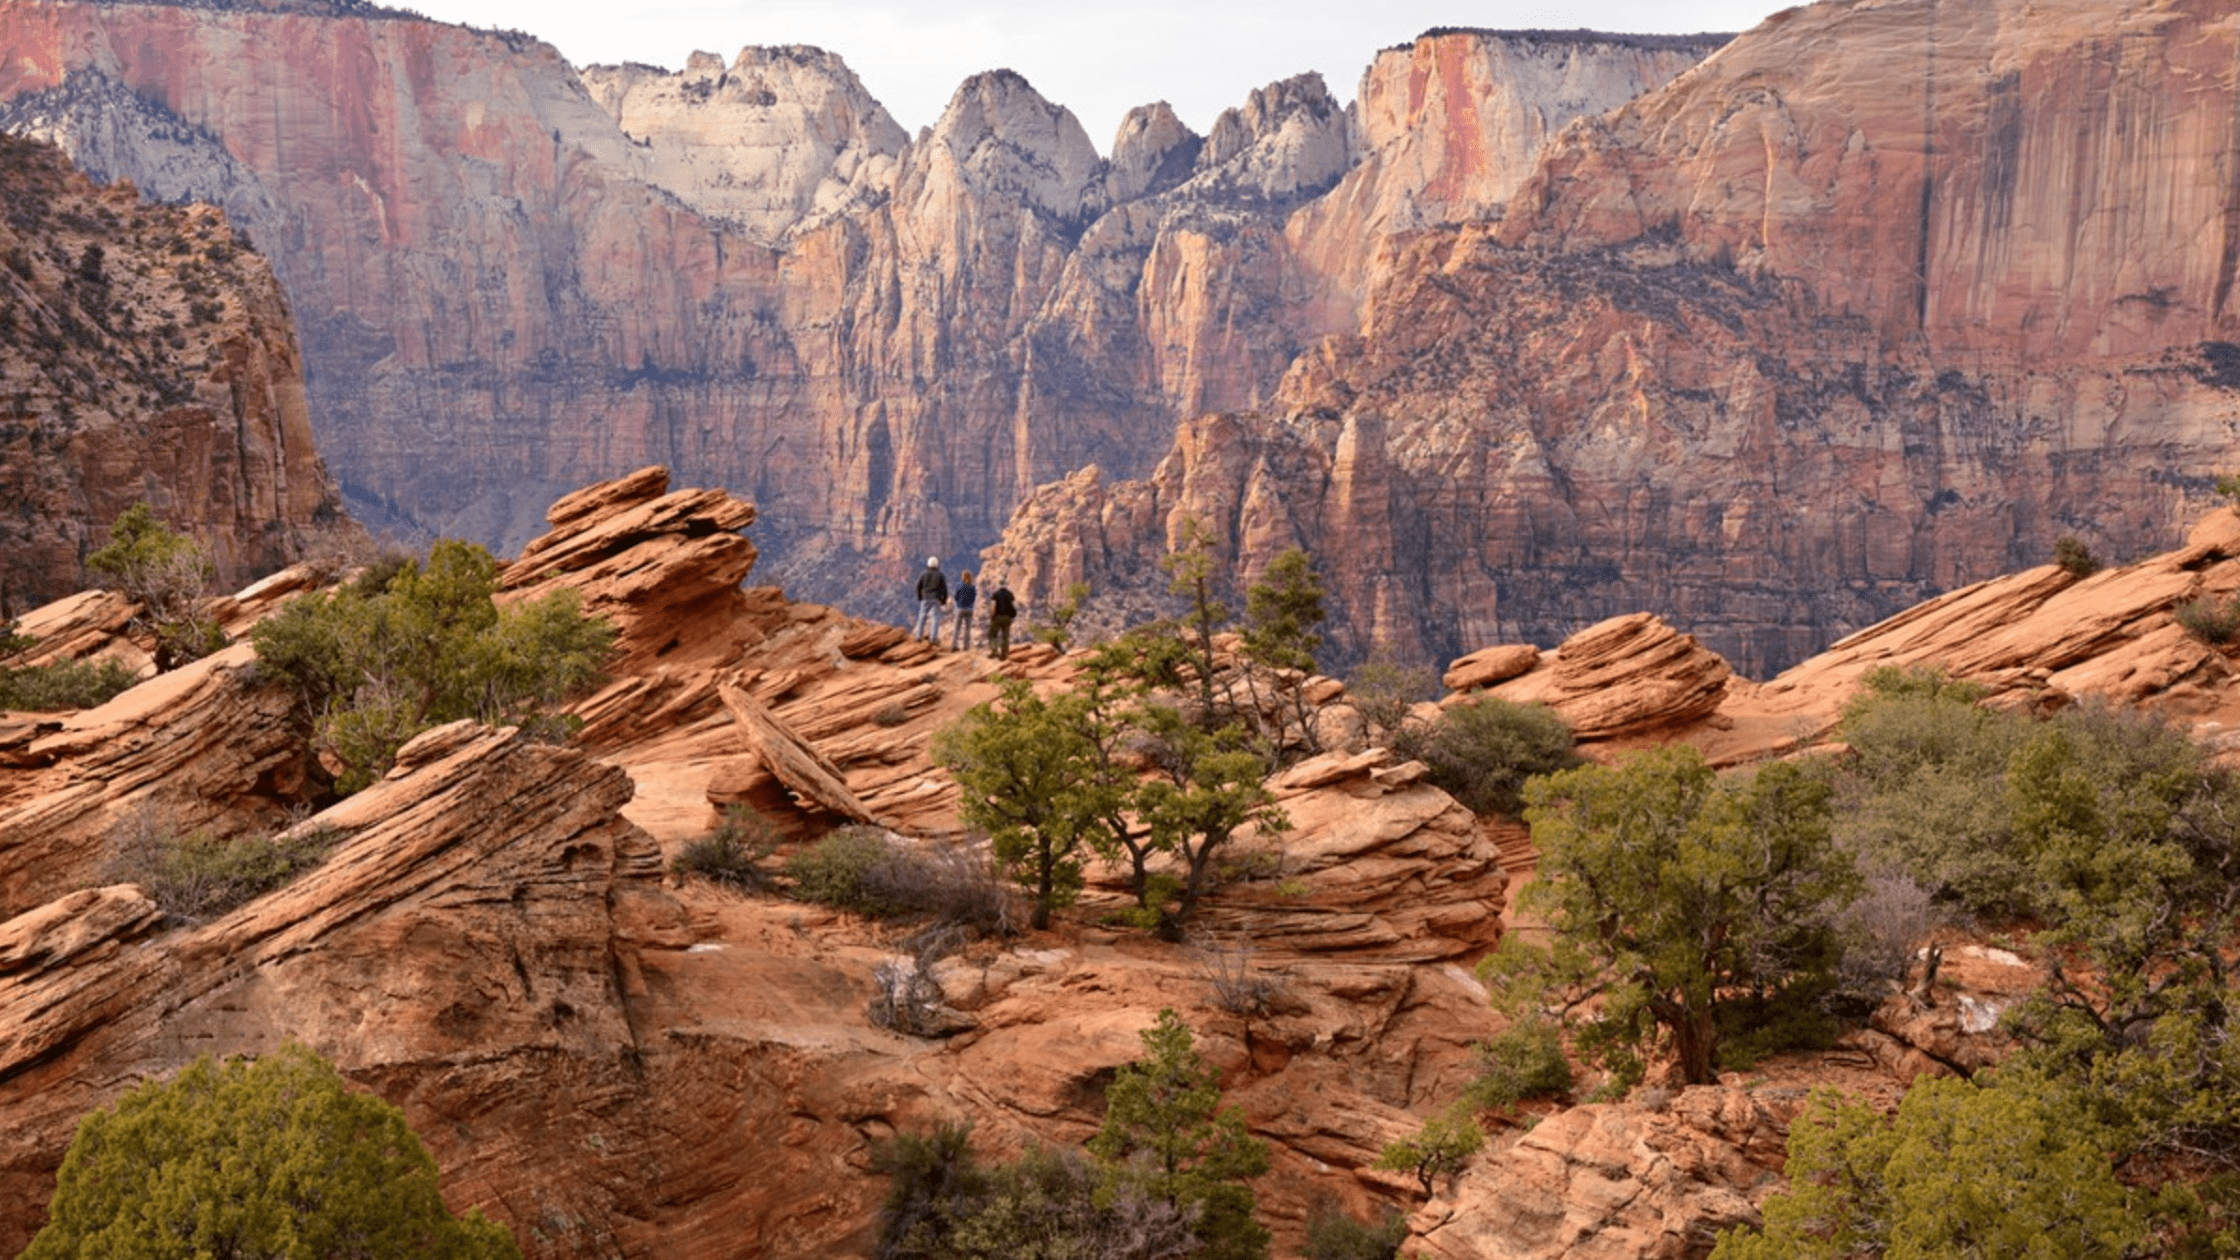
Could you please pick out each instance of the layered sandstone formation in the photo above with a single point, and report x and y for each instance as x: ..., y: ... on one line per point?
x: 613, y: 1063
x: 514, y: 280
x: 145, y: 355
x: 2038, y: 640
x: 1775, y: 350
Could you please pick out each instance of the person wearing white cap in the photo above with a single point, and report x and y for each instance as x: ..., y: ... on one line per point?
x: 933, y: 596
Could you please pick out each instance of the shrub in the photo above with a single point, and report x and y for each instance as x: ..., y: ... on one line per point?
x: 62, y: 685
x: 168, y: 574
x: 2214, y: 621
x: 1961, y: 1170
x: 1523, y: 1061
x: 1880, y: 932
x: 272, y: 1157
x: 1482, y: 751
x: 942, y: 1205
x: 859, y: 869
x: 399, y: 651
x: 832, y: 872
x: 1334, y: 1235
x: 1385, y: 693
x: 933, y: 1179
x: 733, y: 853
x: 1226, y: 963
x: 199, y: 875
x: 1442, y: 1148
x: 2072, y: 555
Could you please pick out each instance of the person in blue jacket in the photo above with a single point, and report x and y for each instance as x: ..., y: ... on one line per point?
x: 960, y: 639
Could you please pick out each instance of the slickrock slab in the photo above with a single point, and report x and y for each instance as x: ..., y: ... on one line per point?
x: 478, y: 927
x: 1611, y: 1182
x: 1488, y: 666
x: 796, y: 764
x: 195, y: 748
x: 1624, y: 677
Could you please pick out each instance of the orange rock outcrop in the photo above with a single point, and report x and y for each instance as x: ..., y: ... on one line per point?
x: 612, y: 1061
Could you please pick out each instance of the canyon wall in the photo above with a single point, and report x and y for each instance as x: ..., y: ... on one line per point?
x: 145, y: 355
x: 513, y: 279
x: 1777, y: 349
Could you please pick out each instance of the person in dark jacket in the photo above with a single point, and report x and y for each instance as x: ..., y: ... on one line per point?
x: 960, y: 639
x: 933, y: 596
x: 1003, y: 606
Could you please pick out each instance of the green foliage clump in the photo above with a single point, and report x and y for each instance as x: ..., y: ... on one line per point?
x: 837, y: 871
x: 1279, y: 640
x: 860, y: 870
x: 2074, y: 557
x: 276, y: 1157
x: 1164, y: 1177
x: 168, y: 574
x: 199, y: 875
x: 1482, y: 751
x: 1046, y: 1205
x: 401, y: 651
x: 1693, y: 909
x: 1524, y: 1060
x: 1166, y: 1135
x: 1055, y: 625
x: 62, y: 685
x: 1442, y: 1148
x: 2214, y: 621
x: 1961, y: 1170
x: 1019, y: 762
x: 1332, y: 1234
x: 733, y: 853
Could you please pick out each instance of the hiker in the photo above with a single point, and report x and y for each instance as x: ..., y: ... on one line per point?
x: 1003, y: 606
x: 960, y: 639
x: 933, y: 596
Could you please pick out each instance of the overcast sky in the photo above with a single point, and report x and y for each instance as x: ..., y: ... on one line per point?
x: 1098, y: 59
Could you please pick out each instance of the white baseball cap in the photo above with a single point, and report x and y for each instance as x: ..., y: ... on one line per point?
x: 933, y: 562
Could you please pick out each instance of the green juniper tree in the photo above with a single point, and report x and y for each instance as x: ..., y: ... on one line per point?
x: 1692, y: 908
x: 1025, y: 767
x: 413, y: 646
x: 2005, y: 1172
x: 1166, y: 1134
x: 275, y: 1157
x: 168, y: 574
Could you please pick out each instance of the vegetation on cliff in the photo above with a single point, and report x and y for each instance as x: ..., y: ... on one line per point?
x: 271, y: 1157
x: 1167, y: 1175
x: 410, y: 645
x: 1690, y: 912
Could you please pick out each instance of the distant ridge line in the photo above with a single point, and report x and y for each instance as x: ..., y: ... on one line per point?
x: 1581, y: 35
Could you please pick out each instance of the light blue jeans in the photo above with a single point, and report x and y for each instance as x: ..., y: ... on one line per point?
x: 929, y: 611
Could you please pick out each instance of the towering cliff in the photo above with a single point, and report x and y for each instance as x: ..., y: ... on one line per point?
x: 1778, y: 349
x: 145, y: 354
x: 513, y: 279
